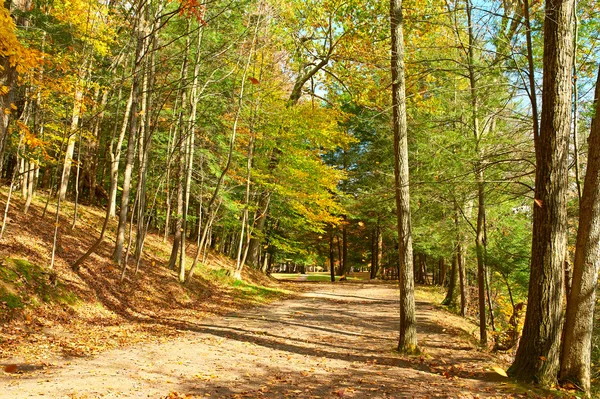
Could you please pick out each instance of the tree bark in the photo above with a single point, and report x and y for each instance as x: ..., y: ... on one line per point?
x: 331, y: 256
x: 374, y: 238
x: 178, y: 249
x: 479, y: 176
x: 345, y: 247
x: 78, y: 102
x: 577, y: 344
x: 131, y: 141
x: 407, y: 341
x: 538, y: 354
x: 451, y: 299
x: 442, y: 275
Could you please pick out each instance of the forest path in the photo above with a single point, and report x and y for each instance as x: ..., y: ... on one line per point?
x: 336, y: 340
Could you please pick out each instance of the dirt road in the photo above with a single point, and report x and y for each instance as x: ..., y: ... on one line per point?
x: 334, y: 341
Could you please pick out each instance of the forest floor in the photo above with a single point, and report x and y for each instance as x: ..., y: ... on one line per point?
x: 333, y: 340
x: 87, y: 334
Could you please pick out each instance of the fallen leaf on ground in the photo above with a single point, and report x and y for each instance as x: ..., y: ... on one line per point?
x: 11, y: 368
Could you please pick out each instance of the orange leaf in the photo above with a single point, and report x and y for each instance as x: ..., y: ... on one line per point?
x: 253, y: 80
x: 11, y: 368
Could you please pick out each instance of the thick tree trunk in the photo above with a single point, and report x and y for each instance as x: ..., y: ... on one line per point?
x: 407, y: 341
x: 577, y: 344
x: 538, y: 354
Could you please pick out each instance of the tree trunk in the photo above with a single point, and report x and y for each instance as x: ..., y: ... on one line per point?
x: 340, y: 270
x: 577, y: 344
x: 379, y: 251
x: 538, y: 354
x: 115, y: 155
x: 479, y: 177
x: 254, y: 246
x: 94, y: 146
x: 78, y: 102
x: 451, y: 299
x: 131, y: 142
x: 178, y: 249
x: 345, y: 247
x: 331, y: 256
x: 442, y: 272
x: 407, y: 341
x: 373, y: 271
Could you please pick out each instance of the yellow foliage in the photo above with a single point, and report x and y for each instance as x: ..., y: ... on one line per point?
x: 10, y: 48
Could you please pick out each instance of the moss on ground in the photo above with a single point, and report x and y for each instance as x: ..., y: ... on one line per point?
x: 26, y: 285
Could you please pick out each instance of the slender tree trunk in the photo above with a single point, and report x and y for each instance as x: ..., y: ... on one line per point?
x: 576, y: 108
x: 374, y: 239
x: 345, y: 262
x: 10, y: 190
x: 94, y: 148
x: 259, y: 226
x: 115, y: 154
x: 407, y: 341
x: 178, y: 249
x: 245, y: 225
x: 442, y: 269
x: 232, y: 140
x: 144, y: 143
x: 538, y: 354
x: 340, y: 270
x: 31, y: 167
x: 379, y: 251
x: 78, y: 102
x: 131, y: 140
x: 77, y: 185
x: 331, y: 256
x: 451, y: 299
x: 479, y: 176
x: 577, y: 344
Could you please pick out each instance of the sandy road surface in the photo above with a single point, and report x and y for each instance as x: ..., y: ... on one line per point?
x: 334, y: 341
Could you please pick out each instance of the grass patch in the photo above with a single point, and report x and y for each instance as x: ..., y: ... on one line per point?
x: 255, y: 293
x: 25, y: 285
x: 244, y: 291
x: 310, y: 277
x: 435, y: 294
